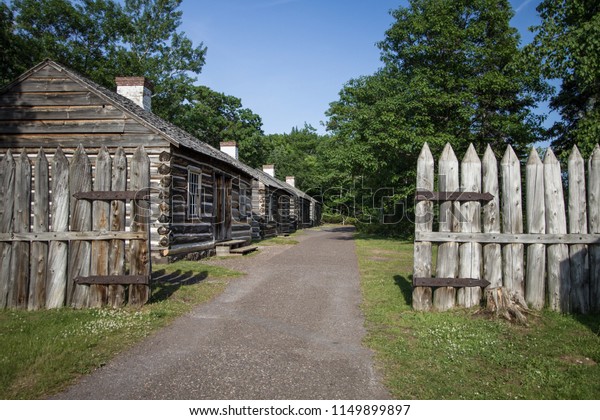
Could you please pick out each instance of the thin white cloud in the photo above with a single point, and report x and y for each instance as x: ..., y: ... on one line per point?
x: 522, y: 6
x: 277, y: 3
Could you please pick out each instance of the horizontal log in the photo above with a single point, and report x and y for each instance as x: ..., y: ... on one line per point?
x: 111, y: 195
x: 51, y: 98
x: 187, y: 248
x: 62, y: 126
x: 422, y: 195
x: 138, y: 279
x: 508, y: 238
x: 48, y: 84
x: 71, y: 236
x: 448, y: 282
x: 87, y: 140
x: 94, y: 112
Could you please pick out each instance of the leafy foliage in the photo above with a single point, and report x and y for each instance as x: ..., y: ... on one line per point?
x: 567, y: 47
x: 452, y: 72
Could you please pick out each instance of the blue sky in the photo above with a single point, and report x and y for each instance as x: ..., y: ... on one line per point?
x: 288, y: 59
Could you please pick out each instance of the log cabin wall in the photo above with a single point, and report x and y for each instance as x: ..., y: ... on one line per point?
x: 51, y: 106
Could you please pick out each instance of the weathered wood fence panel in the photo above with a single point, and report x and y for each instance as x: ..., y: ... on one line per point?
x: 481, y: 236
x: 63, y: 238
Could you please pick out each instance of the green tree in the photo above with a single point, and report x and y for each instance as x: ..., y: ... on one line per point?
x: 103, y: 39
x: 452, y: 72
x: 14, y: 51
x: 84, y: 35
x: 567, y: 46
x: 215, y: 117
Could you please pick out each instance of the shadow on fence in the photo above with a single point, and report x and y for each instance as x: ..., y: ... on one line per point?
x: 165, y: 284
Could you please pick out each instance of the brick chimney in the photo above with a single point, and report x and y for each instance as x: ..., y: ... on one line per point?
x: 291, y: 180
x: 230, y: 148
x: 269, y: 170
x: 137, y: 89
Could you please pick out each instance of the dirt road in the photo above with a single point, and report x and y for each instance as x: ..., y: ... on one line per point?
x: 290, y: 329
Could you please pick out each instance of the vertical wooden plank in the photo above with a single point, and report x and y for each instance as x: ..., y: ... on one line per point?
x: 422, y: 296
x: 594, y: 227
x: 579, y: 264
x: 140, y: 215
x: 492, y: 253
x: 512, y: 222
x: 100, y: 222
x: 470, y: 221
x: 556, y: 222
x: 536, y: 223
x: 39, y: 250
x: 116, y: 256
x: 19, y: 287
x: 80, y: 180
x: 447, y: 259
x: 7, y: 194
x: 57, y: 254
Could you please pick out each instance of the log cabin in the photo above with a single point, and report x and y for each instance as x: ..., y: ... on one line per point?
x: 200, y: 196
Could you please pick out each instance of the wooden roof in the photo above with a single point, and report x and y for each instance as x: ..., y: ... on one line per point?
x: 170, y: 132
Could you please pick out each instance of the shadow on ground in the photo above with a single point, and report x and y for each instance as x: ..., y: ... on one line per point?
x: 405, y: 285
x: 165, y: 284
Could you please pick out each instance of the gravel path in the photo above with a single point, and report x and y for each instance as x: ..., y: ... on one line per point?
x: 290, y: 329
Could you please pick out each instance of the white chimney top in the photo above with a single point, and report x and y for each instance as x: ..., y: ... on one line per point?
x: 291, y: 180
x: 269, y: 170
x: 230, y: 148
x: 137, y: 89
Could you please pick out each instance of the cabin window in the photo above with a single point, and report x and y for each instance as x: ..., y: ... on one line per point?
x: 243, y: 203
x: 194, y: 189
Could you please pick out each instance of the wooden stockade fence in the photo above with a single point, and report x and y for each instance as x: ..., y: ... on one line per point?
x: 63, y: 238
x: 484, y: 245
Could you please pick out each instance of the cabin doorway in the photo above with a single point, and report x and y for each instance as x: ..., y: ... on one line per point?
x: 222, y: 207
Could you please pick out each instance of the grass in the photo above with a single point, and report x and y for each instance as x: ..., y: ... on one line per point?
x: 42, y: 352
x: 462, y: 354
x: 280, y: 240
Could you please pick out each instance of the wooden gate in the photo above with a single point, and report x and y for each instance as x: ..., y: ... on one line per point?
x: 64, y: 239
x: 486, y: 242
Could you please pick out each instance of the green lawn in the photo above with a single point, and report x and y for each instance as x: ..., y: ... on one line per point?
x: 464, y: 354
x: 43, y: 351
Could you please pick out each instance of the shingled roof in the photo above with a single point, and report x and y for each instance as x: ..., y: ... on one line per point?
x: 170, y: 132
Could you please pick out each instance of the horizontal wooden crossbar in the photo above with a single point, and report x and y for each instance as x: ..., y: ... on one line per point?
x: 422, y: 195
x: 448, y: 282
x: 509, y: 238
x: 113, y: 280
x: 111, y: 195
x: 73, y: 236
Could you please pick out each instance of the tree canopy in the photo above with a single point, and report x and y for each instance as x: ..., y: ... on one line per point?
x: 567, y: 47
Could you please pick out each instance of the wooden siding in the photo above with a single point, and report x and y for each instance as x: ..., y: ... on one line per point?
x: 48, y: 109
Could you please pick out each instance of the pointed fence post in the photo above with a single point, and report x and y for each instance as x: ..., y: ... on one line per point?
x: 536, y: 223
x: 7, y: 195
x: 100, y: 222
x: 57, y: 254
x: 470, y: 222
x: 39, y: 250
x: 594, y: 227
x: 422, y: 296
x: 556, y: 223
x: 579, y: 264
x: 80, y: 180
x: 140, y: 209
x: 492, y: 253
x: 447, y: 259
x: 116, y: 257
x: 512, y: 222
x: 18, y: 291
